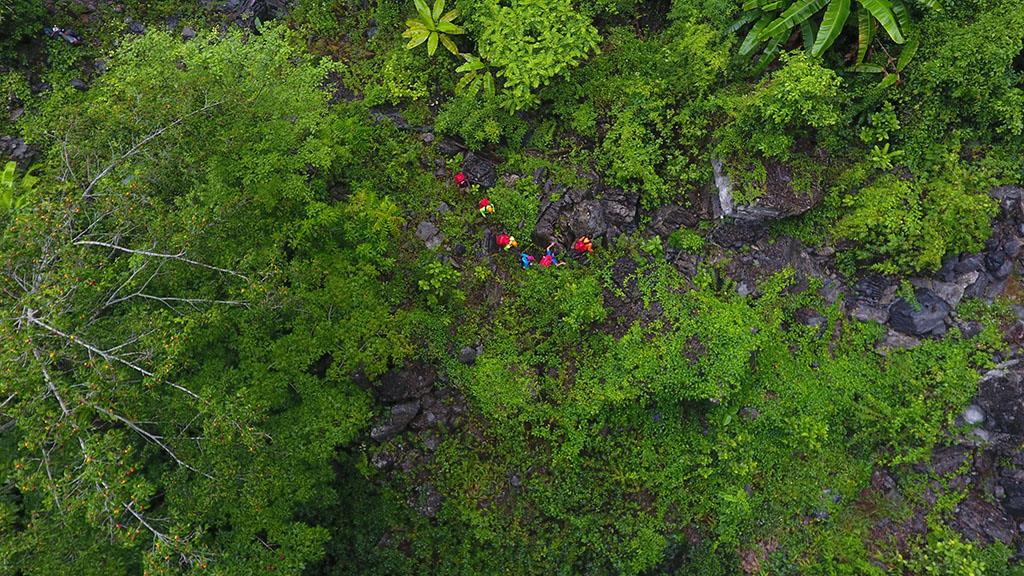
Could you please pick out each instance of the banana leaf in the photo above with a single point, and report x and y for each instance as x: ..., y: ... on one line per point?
x: 882, y: 11
x: 797, y: 12
x: 831, y: 25
x: 754, y: 36
x: 865, y: 33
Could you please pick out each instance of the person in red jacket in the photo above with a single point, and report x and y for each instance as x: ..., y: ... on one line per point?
x: 486, y: 207
x: 549, y: 257
x: 460, y: 179
x: 583, y: 245
x: 505, y: 242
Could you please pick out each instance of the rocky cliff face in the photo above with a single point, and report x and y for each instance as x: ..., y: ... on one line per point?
x: 986, y: 461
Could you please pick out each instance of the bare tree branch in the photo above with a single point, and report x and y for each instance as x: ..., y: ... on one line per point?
x: 111, y: 358
x: 192, y: 301
x: 134, y: 149
x: 179, y: 256
x: 49, y: 382
x: 53, y: 485
x: 149, y: 437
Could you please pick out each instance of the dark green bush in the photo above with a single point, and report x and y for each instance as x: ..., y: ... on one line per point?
x: 650, y: 98
x: 965, y: 82
x: 796, y: 101
x: 19, y: 21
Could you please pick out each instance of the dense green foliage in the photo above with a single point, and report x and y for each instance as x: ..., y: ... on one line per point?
x: 212, y: 270
x: 226, y: 323
x: 907, y: 225
x: 774, y: 22
x: 531, y: 41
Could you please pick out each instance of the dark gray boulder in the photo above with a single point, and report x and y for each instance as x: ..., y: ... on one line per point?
x: 984, y: 522
x: 927, y: 318
x: 479, y: 170
x: 872, y: 297
x: 401, y: 416
x: 410, y: 382
x: 469, y: 354
x: 596, y: 211
x: 17, y: 149
x: 1001, y: 397
x: 430, y: 234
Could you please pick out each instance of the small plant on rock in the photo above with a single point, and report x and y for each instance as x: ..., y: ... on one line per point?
x: 439, y: 283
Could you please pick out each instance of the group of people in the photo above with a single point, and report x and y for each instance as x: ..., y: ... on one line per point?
x: 506, y: 242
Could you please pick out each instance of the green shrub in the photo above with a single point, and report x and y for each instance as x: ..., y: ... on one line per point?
x: 19, y: 19
x: 795, y: 106
x: 479, y: 121
x: 531, y: 42
x: 965, y: 83
x: 629, y: 156
x: 400, y: 78
x: 946, y: 554
x: 718, y: 13
x: 796, y: 100
x: 439, y: 283
x: 432, y: 25
x: 651, y: 98
x: 322, y: 17
x: 909, y: 225
x: 686, y: 240
x: 516, y: 208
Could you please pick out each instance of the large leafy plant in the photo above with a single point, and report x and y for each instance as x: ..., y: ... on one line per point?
x: 13, y: 195
x: 432, y: 26
x: 774, y: 21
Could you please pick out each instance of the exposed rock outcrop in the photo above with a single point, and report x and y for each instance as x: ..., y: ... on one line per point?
x: 778, y: 200
x: 596, y: 211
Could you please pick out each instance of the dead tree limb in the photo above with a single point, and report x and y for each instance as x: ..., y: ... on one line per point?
x: 179, y: 256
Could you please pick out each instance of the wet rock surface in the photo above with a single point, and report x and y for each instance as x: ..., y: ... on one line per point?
x: 986, y: 464
x: 923, y: 317
x: 418, y: 410
x: 778, y: 200
x: 479, y: 170
x: 1001, y: 398
x: 430, y: 234
x: 625, y: 303
x: 246, y: 12
x: 769, y: 257
x: 595, y: 211
x: 12, y: 148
